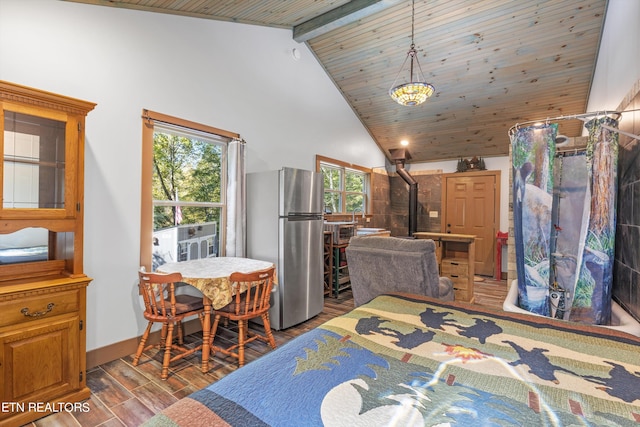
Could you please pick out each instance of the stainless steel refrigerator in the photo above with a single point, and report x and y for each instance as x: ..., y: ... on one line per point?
x: 285, y: 226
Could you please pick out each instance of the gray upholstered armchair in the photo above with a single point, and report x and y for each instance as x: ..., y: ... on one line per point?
x: 379, y: 265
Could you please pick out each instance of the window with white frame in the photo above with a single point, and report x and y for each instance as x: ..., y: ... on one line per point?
x: 184, y: 182
x: 346, y: 186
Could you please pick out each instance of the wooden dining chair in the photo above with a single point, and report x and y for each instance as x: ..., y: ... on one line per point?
x: 162, y: 305
x: 251, y: 300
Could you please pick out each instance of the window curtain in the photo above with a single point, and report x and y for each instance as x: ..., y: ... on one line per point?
x: 235, y: 245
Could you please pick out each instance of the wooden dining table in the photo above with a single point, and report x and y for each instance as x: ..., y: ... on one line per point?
x: 211, y: 277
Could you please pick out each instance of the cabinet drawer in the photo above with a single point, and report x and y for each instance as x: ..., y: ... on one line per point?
x: 38, y: 306
x: 455, y: 267
x: 459, y: 282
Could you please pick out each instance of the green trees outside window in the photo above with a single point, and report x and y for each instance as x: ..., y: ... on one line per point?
x: 188, y: 193
x: 345, y: 189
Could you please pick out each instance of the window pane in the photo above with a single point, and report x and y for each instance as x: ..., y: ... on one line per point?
x: 355, y: 202
x: 332, y: 178
x: 354, y: 181
x: 345, y: 189
x: 332, y: 202
x: 186, y: 170
x: 195, y: 236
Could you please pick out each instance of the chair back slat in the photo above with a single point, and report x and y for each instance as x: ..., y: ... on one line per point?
x: 255, y: 299
x: 158, y: 293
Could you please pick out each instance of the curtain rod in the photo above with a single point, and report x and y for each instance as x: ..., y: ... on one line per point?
x: 612, y: 129
x: 152, y: 116
x: 559, y: 118
x: 585, y: 118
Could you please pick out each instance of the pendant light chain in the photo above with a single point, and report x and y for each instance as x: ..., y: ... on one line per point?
x: 412, y: 49
x: 413, y: 18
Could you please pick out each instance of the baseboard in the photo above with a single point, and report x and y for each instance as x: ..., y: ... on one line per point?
x: 128, y: 347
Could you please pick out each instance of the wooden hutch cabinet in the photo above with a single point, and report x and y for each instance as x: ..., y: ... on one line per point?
x: 42, y: 283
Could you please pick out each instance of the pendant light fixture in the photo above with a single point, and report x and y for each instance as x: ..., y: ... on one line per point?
x: 414, y: 92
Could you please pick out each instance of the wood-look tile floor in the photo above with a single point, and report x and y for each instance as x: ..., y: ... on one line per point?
x: 124, y: 395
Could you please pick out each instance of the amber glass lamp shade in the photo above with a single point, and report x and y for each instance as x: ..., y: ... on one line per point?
x: 410, y: 94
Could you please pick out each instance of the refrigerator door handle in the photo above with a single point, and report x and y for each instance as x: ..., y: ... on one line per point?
x: 303, y: 217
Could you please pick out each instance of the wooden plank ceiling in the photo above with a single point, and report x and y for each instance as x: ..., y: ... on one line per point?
x: 494, y: 63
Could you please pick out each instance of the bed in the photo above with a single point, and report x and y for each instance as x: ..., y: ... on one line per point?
x: 406, y: 360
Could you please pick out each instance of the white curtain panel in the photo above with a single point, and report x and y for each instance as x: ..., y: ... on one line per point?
x: 236, y: 200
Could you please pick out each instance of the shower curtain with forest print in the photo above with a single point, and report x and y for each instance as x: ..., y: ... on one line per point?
x: 533, y: 150
x: 564, y: 222
x: 592, y: 296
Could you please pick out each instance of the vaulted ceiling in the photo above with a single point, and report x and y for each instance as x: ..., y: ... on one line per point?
x: 494, y: 63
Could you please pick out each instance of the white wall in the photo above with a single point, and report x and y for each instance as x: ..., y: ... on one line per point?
x: 618, y: 67
x: 236, y: 77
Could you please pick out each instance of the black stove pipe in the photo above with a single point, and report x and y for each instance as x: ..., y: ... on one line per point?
x: 413, y: 195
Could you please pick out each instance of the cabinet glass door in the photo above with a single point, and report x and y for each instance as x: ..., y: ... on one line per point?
x: 41, y: 183
x: 34, y: 162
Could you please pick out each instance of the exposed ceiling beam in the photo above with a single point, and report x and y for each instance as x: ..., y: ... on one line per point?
x: 340, y: 16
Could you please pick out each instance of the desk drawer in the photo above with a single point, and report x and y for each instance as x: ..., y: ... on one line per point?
x: 462, y: 289
x: 455, y: 267
x: 19, y: 308
x: 459, y: 282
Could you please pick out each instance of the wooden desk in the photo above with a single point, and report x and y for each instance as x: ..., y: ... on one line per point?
x: 211, y: 277
x: 456, y: 255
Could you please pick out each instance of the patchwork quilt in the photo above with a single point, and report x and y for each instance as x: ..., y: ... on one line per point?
x: 405, y: 360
